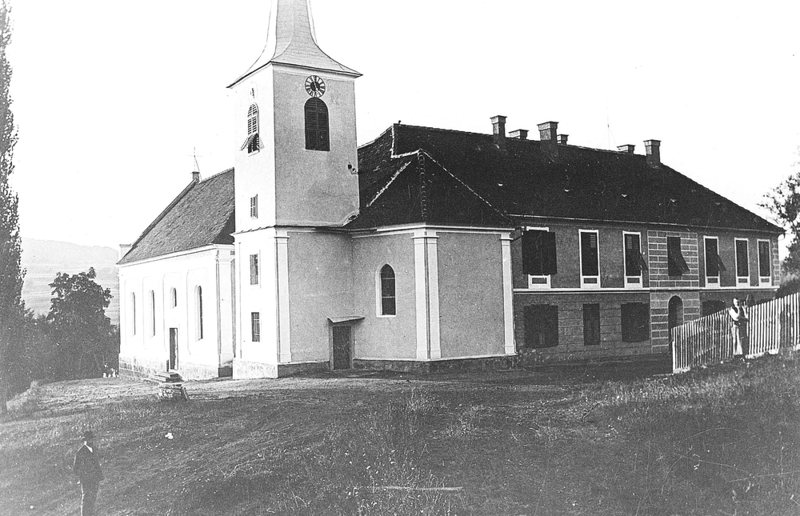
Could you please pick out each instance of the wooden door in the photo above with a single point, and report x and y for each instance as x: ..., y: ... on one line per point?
x: 341, y: 347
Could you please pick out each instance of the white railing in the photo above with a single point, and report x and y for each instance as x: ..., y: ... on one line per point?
x: 709, y: 340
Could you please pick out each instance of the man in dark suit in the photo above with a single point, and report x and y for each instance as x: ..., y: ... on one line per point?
x: 87, y: 468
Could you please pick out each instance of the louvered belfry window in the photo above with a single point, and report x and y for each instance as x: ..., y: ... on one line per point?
x: 317, y: 127
x: 252, y: 143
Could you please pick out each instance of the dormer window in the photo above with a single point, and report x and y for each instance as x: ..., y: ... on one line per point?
x: 317, y: 129
x: 252, y: 142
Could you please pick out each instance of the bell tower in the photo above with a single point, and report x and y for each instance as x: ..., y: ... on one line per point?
x: 295, y: 130
x: 295, y: 184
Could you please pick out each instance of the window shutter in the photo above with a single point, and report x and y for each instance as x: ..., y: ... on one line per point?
x: 317, y: 125
x: 591, y: 324
x: 633, y: 256
x: 541, y: 326
x: 764, y: 268
x: 589, y: 265
x: 539, y: 253
x: 676, y: 264
x: 742, y: 267
x: 635, y: 322
x: 712, y: 259
x: 549, y: 262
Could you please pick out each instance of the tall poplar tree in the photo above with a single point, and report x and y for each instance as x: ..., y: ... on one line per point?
x: 11, y: 273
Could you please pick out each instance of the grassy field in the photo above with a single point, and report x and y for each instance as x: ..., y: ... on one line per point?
x: 579, y: 441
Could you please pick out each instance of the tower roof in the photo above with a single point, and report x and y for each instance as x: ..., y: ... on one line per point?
x: 291, y: 41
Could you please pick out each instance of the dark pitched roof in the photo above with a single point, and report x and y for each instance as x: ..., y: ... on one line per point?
x: 415, y: 188
x: 524, y: 181
x: 202, y: 214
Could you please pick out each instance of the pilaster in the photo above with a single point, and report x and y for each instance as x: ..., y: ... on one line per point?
x: 426, y: 273
x: 284, y: 332
x: 508, y: 295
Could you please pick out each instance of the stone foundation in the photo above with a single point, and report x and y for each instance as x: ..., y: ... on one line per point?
x: 247, y: 369
x: 657, y: 359
x: 502, y: 362
x: 131, y: 367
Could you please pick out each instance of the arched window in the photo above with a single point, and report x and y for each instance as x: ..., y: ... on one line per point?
x: 152, y: 307
x: 133, y: 313
x: 317, y: 137
x: 252, y: 143
x: 388, y: 301
x: 199, y: 312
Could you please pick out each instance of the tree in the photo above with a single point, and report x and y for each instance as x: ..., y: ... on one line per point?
x: 30, y: 353
x: 784, y: 204
x: 81, y: 333
x: 11, y: 273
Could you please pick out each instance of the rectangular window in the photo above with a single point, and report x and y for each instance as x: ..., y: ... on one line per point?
x: 255, y: 326
x: 254, y: 207
x: 539, y: 257
x: 590, y: 259
x: 742, y: 262
x: 714, y: 264
x: 254, y: 269
x: 764, y: 264
x: 676, y: 264
x: 541, y: 326
x: 591, y: 324
x: 635, y: 263
x: 635, y: 322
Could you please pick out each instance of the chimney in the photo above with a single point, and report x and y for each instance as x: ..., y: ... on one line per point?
x: 547, y: 135
x: 499, y: 130
x: 548, y: 130
x: 519, y: 134
x: 123, y: 250
x: 627, y: 148
x: 195, y: 177
x: 653, y: 152
x: 562, y: 139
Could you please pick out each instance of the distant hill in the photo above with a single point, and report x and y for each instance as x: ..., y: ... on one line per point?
x: 44, y: 258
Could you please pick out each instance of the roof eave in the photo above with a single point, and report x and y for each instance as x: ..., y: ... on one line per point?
x: 347, y: 72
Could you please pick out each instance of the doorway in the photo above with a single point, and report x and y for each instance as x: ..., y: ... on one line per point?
x: 342, y: 347
x: 173, y: 349
x: 675, y: 317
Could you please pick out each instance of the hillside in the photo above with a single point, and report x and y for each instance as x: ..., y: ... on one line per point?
x: 44, y: 258
x: 592, y: 441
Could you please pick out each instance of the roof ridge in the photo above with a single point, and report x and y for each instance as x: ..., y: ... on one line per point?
x: 161, y: 215
x: 374, y: 140
x: 188, y: 188
x: 465, y: 185
x: 218, y: 174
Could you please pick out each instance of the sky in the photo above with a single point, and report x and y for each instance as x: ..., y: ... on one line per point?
x: 114, y: 99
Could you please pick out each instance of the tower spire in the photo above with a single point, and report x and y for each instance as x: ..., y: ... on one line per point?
x: 291, y: 41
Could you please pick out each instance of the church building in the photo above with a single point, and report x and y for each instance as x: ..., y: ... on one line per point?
x: 424, y: 249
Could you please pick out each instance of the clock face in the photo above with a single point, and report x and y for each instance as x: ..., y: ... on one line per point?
x: 315, y: 86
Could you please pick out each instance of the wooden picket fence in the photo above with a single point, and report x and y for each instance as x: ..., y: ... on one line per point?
x: 709, y: 340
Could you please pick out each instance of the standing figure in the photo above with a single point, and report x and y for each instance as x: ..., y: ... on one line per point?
x: 87, y: 469
x: 738, y: 313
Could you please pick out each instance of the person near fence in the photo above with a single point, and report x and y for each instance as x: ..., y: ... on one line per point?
x: 87, y: 469
x: 738, y: 313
